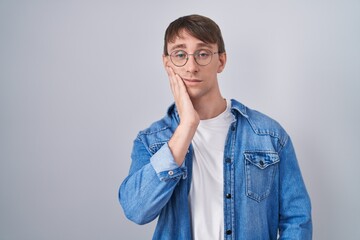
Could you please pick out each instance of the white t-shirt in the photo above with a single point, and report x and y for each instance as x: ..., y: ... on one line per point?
x: 206, y: 192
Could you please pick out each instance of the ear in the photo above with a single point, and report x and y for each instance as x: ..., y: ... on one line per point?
x: 165, y: 60
x: 222, y: 62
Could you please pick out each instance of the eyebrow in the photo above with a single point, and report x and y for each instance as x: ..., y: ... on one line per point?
x: 198, y: 45
x: 177, y: 46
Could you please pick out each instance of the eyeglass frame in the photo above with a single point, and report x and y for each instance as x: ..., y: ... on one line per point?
x: 193, y: 54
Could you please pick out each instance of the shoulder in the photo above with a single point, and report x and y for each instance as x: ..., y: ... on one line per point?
x: 157, y: 126
x: 260, y: 123
x: 160, y: 130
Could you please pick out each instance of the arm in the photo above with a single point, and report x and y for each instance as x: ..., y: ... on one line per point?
x: 150, y: 183
x: 295, y: 207
x: 152, y: 179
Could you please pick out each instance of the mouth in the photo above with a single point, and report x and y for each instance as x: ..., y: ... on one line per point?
x: 191, y: 81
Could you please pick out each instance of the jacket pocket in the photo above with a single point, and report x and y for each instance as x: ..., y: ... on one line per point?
x: 260, y: 169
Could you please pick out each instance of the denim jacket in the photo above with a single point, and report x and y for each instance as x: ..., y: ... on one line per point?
x: 264, y: 193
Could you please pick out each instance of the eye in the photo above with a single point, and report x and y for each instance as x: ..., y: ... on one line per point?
x: 179, y: 54
x: 203, y: 54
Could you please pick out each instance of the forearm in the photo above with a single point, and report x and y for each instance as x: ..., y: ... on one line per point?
x: 295, y: 207
x: 150, y: 183
x: 142, y: 195
x: 181, y: 140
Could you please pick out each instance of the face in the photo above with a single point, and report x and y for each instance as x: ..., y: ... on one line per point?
x: 200, y: 81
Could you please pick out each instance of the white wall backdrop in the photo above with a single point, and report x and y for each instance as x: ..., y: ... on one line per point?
x: 79, y: 79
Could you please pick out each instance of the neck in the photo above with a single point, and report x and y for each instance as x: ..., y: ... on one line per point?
x: 209, y: 108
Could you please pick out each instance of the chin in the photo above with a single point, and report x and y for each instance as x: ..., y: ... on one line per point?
x: 195, y: 95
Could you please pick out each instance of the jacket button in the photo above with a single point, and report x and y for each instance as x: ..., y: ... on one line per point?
x: 228, y: 160
x: 228, y: 232
x: 228, y: 195
x: 262, y: 163
x: 170, y: 173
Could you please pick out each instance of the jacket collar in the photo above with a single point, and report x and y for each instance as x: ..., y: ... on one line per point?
x: 235, y: 106
x: 172, y: 111
x: 239, y: 107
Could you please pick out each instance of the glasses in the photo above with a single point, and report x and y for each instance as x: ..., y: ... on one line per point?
x: 202, y: 57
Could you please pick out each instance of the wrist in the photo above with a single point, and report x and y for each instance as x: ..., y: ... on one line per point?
x: 189, y: 124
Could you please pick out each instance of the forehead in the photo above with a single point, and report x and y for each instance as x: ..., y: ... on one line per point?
x: 184, y: 40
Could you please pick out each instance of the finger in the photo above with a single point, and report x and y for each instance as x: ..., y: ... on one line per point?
x: 180, y: 82
x: 172, y: 80
x: 168, y: 70
x: 176, y: 81
x: 175, y: 77
x: 178, y: 87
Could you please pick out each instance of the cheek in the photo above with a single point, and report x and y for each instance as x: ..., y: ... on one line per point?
x: 179, y: 70
x: 215, y: 68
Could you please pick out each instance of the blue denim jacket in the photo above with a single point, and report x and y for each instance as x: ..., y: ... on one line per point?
x: 264, y: 193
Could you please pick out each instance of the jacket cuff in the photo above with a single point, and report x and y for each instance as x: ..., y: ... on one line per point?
x: 165, y: 166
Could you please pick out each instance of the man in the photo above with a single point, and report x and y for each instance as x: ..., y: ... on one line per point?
x: 212, y: 168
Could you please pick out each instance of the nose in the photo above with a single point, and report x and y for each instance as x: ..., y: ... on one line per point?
x: 191, y: 65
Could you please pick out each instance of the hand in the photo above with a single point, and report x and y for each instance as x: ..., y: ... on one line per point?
x: 187, y: 113
x: 189, y: 118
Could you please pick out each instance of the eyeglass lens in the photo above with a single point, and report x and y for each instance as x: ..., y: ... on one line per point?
x: 180, y: 57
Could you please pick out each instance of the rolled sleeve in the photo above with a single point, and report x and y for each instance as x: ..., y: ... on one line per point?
x: 165, y: 166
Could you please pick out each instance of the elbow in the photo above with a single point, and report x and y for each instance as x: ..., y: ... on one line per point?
x: 136, y: 217
x: 132, y: 210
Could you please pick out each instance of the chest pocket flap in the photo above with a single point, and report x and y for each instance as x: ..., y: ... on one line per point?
x: 262, y: 159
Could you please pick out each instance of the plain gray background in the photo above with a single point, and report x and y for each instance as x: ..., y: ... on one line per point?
x: 79, y: 79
